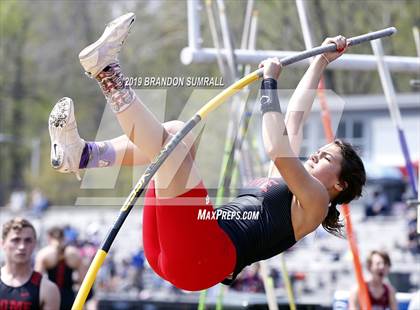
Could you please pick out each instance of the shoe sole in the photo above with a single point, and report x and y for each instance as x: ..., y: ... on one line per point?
x: 57, y: 123
x: 89, y: 51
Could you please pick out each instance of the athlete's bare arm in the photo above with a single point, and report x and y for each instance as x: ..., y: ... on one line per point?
x: 49, y: 295
x: 75, y: 261
x: 353, y: 302
x: 393, y: 304
x: 45, y: 258
x: 39, y: 261
x: 300, y: 103
x: 308, y: 190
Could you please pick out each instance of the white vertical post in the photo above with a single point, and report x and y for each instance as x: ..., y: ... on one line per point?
x: 387, y: 85
x: 227, y: 41
x: 268, y: 286
x: 252, y: 38
x: 215, y: 37
x: 247, y: 28
x: 35, y: 157
x: 417, y: 40
x: 307, y: 38
x: 194, y: 36
x: 247, y: 23
x: 388, y: 88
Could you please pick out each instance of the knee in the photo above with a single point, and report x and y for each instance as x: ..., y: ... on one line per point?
x: 173, y: 127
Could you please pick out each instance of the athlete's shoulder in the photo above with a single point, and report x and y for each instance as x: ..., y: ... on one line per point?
x: 46, y: 258
x: 265, y: 183
x: 390, y: 289
x: 36, y: 278
x: 49, y: 295
x: 72, y: 256
x: 47, y: 251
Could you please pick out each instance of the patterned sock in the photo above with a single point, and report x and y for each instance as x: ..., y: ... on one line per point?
x: 97, y: 155
x: 118, y: 94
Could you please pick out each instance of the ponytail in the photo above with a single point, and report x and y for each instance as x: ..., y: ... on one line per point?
x: 354, y: 176
x: 332, y: 222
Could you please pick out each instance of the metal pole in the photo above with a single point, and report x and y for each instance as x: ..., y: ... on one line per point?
x: 307, y: 37
x: 235, y: 112
x: 194, y: 36
x: 35, y: 157
x: 417, y: 40
x: 215, y: 37
x: 346, y: 62
x: 268, y: 286
x: 389, y: 91
x: 253, y: 38
x: 227, y: 40
x: 247, y: 28
x: 243, y: 147
x: 247, y: 24
x: 416, y: 35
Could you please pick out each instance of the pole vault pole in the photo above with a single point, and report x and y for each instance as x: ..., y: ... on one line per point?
x: 248, y: 41
x: 240, y: 144
x: 363, y: 293
x: 394, y: 111
x: 230, y: 171
x: 244, y: 125
x: 221, y: 64
x: 236, y: 109
x: 416, y: 35
x: 151, y: 170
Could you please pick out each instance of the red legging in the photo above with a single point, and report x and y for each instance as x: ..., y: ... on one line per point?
x: 192, y: 254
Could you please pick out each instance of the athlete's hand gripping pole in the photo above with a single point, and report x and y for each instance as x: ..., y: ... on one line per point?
x: 170, y: 146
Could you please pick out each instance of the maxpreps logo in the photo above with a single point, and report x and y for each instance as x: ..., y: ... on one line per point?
x: 211, y: 215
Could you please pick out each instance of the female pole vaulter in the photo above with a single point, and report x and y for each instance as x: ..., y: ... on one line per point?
x: 192, y: 253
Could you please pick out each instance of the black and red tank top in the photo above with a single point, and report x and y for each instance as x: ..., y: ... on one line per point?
x: 62, y: 275
x: 25, y: 297
x: 268, y: 234
x: 382, y: 302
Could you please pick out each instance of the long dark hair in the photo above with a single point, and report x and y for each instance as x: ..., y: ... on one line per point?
x: 353, y: 177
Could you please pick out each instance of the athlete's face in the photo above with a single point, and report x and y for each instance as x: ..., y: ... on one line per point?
x: 18, y: 246
x: 325, y: 165
x: 378, y: 267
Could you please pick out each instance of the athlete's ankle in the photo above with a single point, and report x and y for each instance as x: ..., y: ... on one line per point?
x: 117, y: 92
x: 97, y: 155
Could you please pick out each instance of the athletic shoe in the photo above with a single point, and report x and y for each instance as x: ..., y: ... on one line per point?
x: 66, y: 144
x: 105, y: 50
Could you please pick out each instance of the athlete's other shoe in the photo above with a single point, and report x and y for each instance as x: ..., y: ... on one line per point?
x: 105, y: 50
x: 66, y: 144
